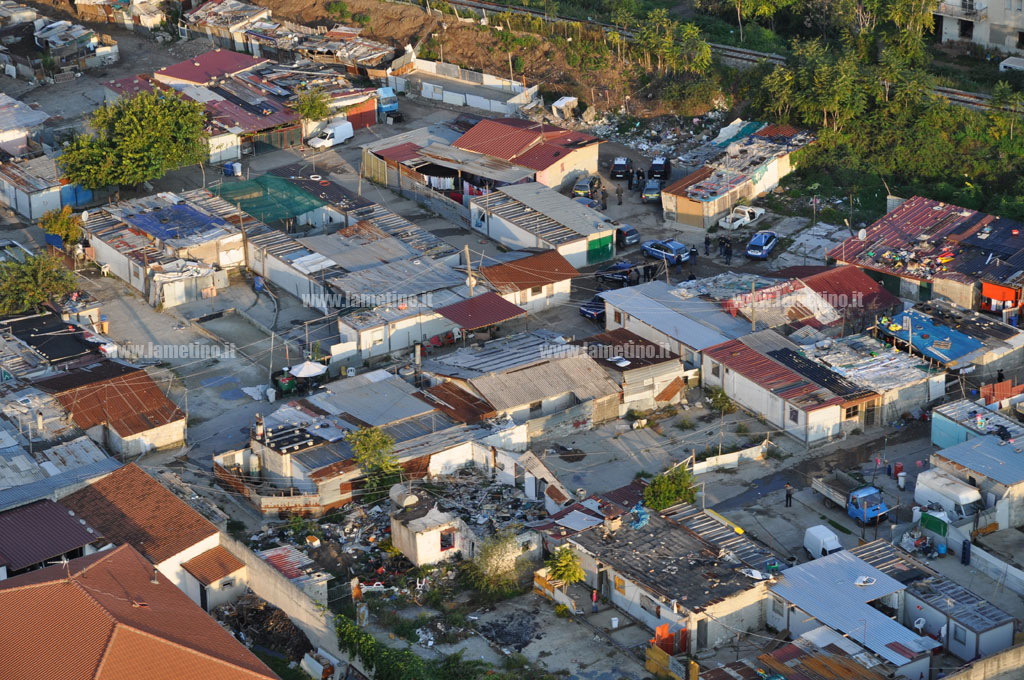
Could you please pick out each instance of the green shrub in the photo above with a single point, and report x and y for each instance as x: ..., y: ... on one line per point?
x: 338, y: 10
x: 685, y: 424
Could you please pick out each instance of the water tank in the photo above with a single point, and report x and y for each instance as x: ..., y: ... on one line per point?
x: 408, y: 374
x: 236, y: 168
x: 229, y: 169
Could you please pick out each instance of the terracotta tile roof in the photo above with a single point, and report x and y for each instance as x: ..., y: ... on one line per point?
x: 679, y: 187
x: 482, y: 310
x: 102, y: 618
x: 210, y: 65
x: 777, y: 131
x: 123, y: 397
x: 129, y: 506
x: 528, y: 272
x: 38, y: 532
x: 530, y: 145
x: 213, y: 565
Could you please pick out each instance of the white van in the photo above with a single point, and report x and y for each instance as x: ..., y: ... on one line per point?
x: 336, y: 132
x: 939, y: 489
x: 819, y: 541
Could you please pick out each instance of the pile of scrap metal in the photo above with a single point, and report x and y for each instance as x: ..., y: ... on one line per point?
x: 254, y: 621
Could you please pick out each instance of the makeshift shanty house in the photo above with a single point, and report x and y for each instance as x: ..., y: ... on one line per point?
x: 461, y: 87
x: 845, y: 593
x: 958, y: 421
x: 749, y: 160
x: 996, y: 467
x: 638, y: 563
x: 534, y: 282
x: 18, y: 124
x: 34, y: 186
x: 768, y: 375
x: 532, y: 216
x: 669, y: 317
x: 130, y: 507
x: 650, y: 375
x: 959, y: 340
x: 119, y: 406
x: 300, y: 569
x: 129, y: 620
x: 968, y: 626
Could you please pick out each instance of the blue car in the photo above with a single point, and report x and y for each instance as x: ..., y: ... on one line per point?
x: 589, y: 202
x: 617, y: 272
x: 762, y: 244
x: 671, y: 251
x: 593, y: 309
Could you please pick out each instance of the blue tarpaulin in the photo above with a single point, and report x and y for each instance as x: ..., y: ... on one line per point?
x: 55, y: 241
x: 931, y: 338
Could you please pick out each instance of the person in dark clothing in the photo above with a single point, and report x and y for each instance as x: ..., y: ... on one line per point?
x: 728, y: 253
x: 679, y: 264
x: 604, y: 199
x: 630, y: 181
x: 707, y: 244
x: 618, y: 193
x: 999, y: 375
x: 693, y: 255
x: 789, y: 495
x: 721, y: 246
x: 691, y: 277
x: 648, y: 272
x: 634, y: 277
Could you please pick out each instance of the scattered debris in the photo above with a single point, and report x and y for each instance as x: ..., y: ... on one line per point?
x: 514, y: 631
x: 255, y: 621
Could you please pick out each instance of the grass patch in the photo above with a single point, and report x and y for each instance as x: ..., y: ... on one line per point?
x: 685, y: 424
x: 741, y: 428
x: 839, y: 527
x: 280, y: 666
x: 642, y: 474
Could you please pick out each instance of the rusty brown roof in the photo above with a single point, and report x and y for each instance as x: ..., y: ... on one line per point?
x: 457, y: 403
x: 129, y: 506
x: 529, y: 272
x: 102, y: 618
x: 38, y: 532
x: 213, y: 565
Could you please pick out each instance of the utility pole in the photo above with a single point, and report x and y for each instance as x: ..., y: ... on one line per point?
x: 469, y: 272
x: 753, y: 309
x: 270, y: 361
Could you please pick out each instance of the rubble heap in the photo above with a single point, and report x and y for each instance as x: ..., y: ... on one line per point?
x: 254, y: 621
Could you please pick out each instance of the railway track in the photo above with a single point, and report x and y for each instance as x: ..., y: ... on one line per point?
x: 972, y: 100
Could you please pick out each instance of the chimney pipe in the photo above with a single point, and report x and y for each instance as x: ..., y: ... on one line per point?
x: 155, y: 581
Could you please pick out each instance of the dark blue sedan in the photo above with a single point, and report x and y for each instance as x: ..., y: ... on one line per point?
x: 593, y: 309
x: 617, y: 272
x: 762, y: 244
x: 671, y: 251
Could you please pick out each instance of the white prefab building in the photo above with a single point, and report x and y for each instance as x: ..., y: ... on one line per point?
x: 30, y: 188
x: 993, y: 465
x: 535, y: 282
x: 532, y: 216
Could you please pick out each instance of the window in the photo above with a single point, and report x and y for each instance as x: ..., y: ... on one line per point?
x: 447, y: 539
x: 794, y: 415
x: 377, y: 338
x: 650, y: 606
x: 959, y: 634
x: 1020, y: 39
x: 226, y: 584
x: 535, y: 407
x: 618, y: 317
x: 716, y: 369
x: 536, y: 290
x: 853, y: 412
x: 620, y: 585
x: 777, y: 608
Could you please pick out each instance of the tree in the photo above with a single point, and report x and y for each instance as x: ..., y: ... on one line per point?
x: 373, y: 451
x: 26, y: 286
x: 495, y: 569
x: 913, y: 19
x: 564, y: 565
x: 63, y: 223
x: 312, y: 104
x: 671, y: 487
x: 137, y: 140
x: 1010, y: 107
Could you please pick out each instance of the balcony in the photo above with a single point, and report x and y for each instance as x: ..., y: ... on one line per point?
x: 967, y: 10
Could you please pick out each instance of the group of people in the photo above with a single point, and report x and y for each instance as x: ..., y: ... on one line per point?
x: 636, y: 180
x: 724, y: 247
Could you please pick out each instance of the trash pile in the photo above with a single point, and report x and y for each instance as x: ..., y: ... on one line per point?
x: 683, y: 139
x: 487, y: 507
x: 254, y: 621
x: 514, y: 631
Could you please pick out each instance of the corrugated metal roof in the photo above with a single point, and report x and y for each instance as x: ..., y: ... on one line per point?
x: 529, y: 272
x: 620, y: 342
x: 288, y: 560
x: 457, y: 403
x: 480, y: 311
x: 579, y: 375
x: 15, y: 115
x: 694, y: 322
x: 401, y: 279
x: 501, y: 354
x: 38, y: 532
x: 532, y: 145
x: 861, y: 294
x: 990, y: 456
x: 979, y: 419
x: 48, y: 486
x: 205, y: 67
x: 539, y: 210
x: 826, y: 589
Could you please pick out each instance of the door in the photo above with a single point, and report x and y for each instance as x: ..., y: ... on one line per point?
x: 702, y: 634
x: 202, y: 597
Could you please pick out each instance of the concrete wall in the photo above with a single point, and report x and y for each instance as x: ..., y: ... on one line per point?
x: 227, y: 589
x: 729, y: 460
x: 551, y: 295
x: 165, y: 436
x: 424, y: 547
x: 577, y: 163
x: 578, y: 418
x: 1003, y: 666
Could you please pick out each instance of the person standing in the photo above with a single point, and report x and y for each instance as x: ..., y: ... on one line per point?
x: 618, y: 192
x: 679, y: 264
x: 707, y: 244
x: 728, y: 253
x: 693, y: 256
x: 721, y: 246
x: 604, y: 198
x: 789, y: 495
x: 640, y: 179
x: 593, y: 598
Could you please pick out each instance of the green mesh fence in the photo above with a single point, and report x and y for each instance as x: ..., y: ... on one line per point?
x: 269, y: 198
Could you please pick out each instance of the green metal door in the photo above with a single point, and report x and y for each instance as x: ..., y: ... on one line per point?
x: 599, y: 250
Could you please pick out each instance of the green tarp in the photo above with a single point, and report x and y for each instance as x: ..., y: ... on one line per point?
x: 268, y: 198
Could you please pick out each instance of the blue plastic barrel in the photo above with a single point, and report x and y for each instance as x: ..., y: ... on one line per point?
x: 229, y: 169
x: 942, y: 548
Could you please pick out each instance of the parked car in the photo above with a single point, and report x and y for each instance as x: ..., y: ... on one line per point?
x: 593, y: 309
x: 762, y: 244
x: 652, y: 191
x: 622, y: 168
x: 587, y: 186
x: 617, y: 272
x: 589, y: 202
x: 740, y: 217
x: 820, y: 541
x: 337, y: 132
x: 626, y: 235
x: 670, y: 250
x: 661, y: 168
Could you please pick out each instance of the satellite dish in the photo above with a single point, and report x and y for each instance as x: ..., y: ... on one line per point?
x: 862, y: 234
x: 85, y: 216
